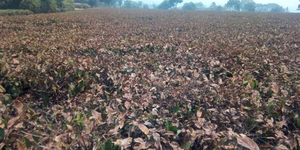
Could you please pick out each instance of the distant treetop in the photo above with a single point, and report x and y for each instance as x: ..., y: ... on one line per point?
x: 38, y: 6
x: 167, y: 4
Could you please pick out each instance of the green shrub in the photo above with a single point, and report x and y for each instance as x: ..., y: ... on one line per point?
x: 33, y: 5
x: 189, y: 6
x: 13, y: 12
x: 82, y: 6
x: 68, y: 5
x: 65, y: 5
x: 46, y: 6
x: 49, y: 6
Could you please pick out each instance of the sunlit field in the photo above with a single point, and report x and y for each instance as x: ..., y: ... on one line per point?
x: 150, y: 79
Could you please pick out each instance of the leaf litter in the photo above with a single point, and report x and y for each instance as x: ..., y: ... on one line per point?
x: 103, y: 79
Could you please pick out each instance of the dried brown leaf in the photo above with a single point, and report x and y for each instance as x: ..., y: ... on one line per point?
x: 127, y: 105
x: 109, y: 112
x: 196, y: 74
x: 19, y: 106
x: 275, y: 87
x: 70, y: 128
x: 199, y: 114
x: 174, y: 145
x: 114, y: 131
x: 281, y: 147
x: 57, y: 138
x: 142, y: 144
x: 15, y: 61
x: 12, y: 121
x: 284, y: 68
x: 128, y: 96
x: 67, y: 116
x: 124, y: 143
x: 138, y: 140
x: 154, y: 112
x: 199, y: 122
x: 18, y: 69
x: 244, y: 141
x: 96, y: 115
x: 143, y: 128
x: 121, y: 123
x: 280, y: 124
x: 19, y: 125
x: 156, y: 136
x: 2, y: 145
x: 2, y: 89
x: 21, y: 145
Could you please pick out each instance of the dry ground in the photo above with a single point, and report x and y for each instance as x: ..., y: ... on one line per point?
x: 150, y: 79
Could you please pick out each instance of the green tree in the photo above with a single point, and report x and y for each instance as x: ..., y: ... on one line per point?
x: 199, y: 5
x: 244, y: 2
x: 59, y: 4
x: 37, y: 6
x: 67, y: 5
x: 145, y: 6
x: 175, y: 2
x: 213, y: 6
x: 167, y: 4
x: 10, y: 4
x: 277, y: 9
x: 164, y: 5
x: 48, y: 6
x: 189, y: 6
x: 33, y: 5
x: 234, y: 4
x: 219, y: 8
x: 81, y: 1
x: 249, y: 7
x: 96, y: 3
x: 120, y: 2
x: 133, y: 4
x: 108, y: 2
x: 93, y: 3
x: 270, y: 7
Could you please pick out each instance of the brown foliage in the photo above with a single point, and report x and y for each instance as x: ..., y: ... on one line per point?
x: 149, y: 79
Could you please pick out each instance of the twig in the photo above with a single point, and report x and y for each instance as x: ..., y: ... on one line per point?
x: 32, y: 134
x: 83, y: 141
x: 44, y: 147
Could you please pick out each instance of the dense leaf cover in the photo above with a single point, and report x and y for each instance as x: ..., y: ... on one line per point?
x: 13, y: 12
x: 144, y: 79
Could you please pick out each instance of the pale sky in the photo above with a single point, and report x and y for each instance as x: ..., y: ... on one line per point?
x: 292, y: 4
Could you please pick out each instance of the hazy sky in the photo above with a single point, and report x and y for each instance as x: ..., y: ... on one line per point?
x: 292, y: 4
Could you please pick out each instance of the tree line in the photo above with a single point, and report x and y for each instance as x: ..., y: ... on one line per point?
x: 46, y: 6
x: 231, y: 5
x: 237, y: 5
x: 114, y: 3
x: 39, y: 6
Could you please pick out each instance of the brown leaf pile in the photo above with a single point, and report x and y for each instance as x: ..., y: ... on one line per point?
x: 143, y: 79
